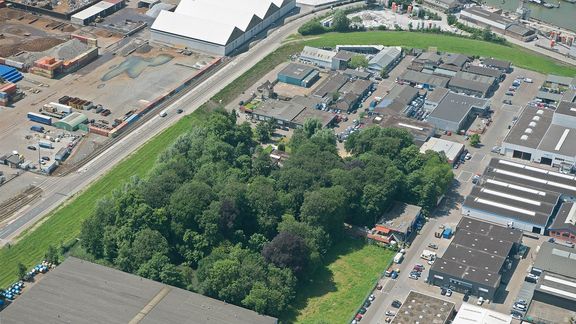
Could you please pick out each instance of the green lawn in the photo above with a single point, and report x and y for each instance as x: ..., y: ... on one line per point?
x: 64, y: 224
x: 517, y: 55
x: 336, y: 292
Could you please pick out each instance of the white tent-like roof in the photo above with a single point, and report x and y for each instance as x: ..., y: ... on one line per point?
x: 214, y: 21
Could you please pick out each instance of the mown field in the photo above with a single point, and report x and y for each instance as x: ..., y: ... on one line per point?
x: 517, y: 55
x: 335, y: 292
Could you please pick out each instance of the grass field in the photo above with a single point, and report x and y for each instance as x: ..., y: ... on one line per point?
x: 335, y: 292
x: 64, y: 224
x: 517, y: 55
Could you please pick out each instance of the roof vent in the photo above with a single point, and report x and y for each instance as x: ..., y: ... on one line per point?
x: 528, y: 131
x: 524, y: 137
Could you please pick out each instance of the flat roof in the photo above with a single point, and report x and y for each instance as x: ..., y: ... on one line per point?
x: 561, y: 80
x: 420, y: 308
x: 471, y: 85
x: 358, y: 87
x: 455, y: 107
x: 419, y: 129
x: 450, y: 149
x: 566, y: 108
x: 424, y: 78
x: 436, y: 95
x: 530, y: 127
x: 357, y: 74
x: 402, y: 93
x: 94, y: 10
x: 482, y: 70
x: 549, y: 96
x: 400, y: 216
x: 324, y: 117
x: 297, y: 71
x: 478, y: 251
x: 79, y: 292
x: 559, y: 140
x: 557, y: 285
x: 472, y: 314
x: 475, y: 77
x: 522, y: 174
x: 512, y: 201
x: 279, y: 109
x: 332, y: 84
x: 310, y: 52
x: 557, y: 259
x: 565, y: 219
x: 485, y: 14
x: 497, y: 63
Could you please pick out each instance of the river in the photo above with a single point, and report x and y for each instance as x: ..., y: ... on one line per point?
x: 565, y: 16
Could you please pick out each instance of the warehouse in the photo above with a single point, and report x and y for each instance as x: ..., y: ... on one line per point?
x: 80, y: 292
x: 510, y: 204
x: 421, y: 131
x: 472, y: 84
x: 100, y: 9
x: 292, y: 113
x: 397, y: 100
x: 564, y: 226
x: 444, y: 5
x: 452, y: 150
x: 385, y: 60
x: 504, y: 66
x: 557, y: 284
x: 472, y: 314
x: 318, y: 57
x: 299, y: 74
x: 331, y: 85
x: 544, y: 136
x: 482, y: 70
x: 195, y: 25
x: 476, y: 258
x: 423, y: 80
x: 397, y: 224
x: 74, y: 121
x: 420, y: 308
x: 455, y: 112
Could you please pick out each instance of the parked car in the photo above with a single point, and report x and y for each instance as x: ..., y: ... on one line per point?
x: 443, y: 291
x: 412, y: 276
x: 32, y: 147
x: 179, y: 111
x: 531, y: 278
x: 480, y: 301
x: 45, y: 158
x: 367, y: 303
x: 509, y: 93
x: 448, y: 292
x: 396, y: 303
x: 362, y: 310
x: 528, y: 80
x: 507, y: 101
x: 371, y: 298
x: 519, y: 307
x: 516, y: 314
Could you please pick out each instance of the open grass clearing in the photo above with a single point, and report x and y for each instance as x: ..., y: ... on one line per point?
x: 336, y: 291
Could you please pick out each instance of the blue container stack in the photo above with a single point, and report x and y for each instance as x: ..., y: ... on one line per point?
x: 10, y: 74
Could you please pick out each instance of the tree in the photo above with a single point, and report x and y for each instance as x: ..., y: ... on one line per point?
x: 22, y: 272
x: 340, y: 22
x: 325, y: 207
x: 146, y: 244
x: 451, y: 19
x: 288, y: 250
x: 264, y: 130
x: 312, y: 27
x: 487, y: 34
x: 358, y: 61
x: 52, y: 255
x: 475, y: 140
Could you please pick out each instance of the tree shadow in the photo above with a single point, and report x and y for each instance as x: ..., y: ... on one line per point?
x: 321, y: 281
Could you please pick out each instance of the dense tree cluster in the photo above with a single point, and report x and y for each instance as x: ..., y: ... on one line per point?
x: 217, y: 217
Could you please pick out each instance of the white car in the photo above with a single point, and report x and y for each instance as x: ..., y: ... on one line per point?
x: 480, y: 301
x: 528, y: 80
x: 390, y: 313
x: 431, y: 262
x: 448, y: 292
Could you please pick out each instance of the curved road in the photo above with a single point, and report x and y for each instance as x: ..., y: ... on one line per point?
x: 58, y: 189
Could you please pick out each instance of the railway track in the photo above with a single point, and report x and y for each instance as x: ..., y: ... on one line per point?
x: 78, y: 165
x: 12, y: 205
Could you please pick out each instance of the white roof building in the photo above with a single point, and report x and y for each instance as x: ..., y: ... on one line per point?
x: 472, y: 314
x: 451, y: 149
x: 217, y: 26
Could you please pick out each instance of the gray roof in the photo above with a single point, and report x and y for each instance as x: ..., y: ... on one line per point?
x: 357, y: 74
x: 358, y: 87
x: 297, y: 71
x: 319, y: 54
x: 469, y: 85
x: 558, y: 259
x: 549, y: 96
x: 566, y: 108
x: 423, y: 78
x: 384, y: 58
x: 429, y: 57
x: 519, y: 29
x: 82, y: 292
x: 455, y: 59
x: 324, y: 117
x: 400, y: 217
x: 476, y: 77
x: 488, y: 15
x: 565, y: 219
x: 530, y: 176
x: 402, y: 93
x: 333, y: 84
x: 530, y: 127
x: 419, y: 129
x: 344, y: 55
x: 561, y: 80
x: 569, y: 95
x: 436, y: 95
x: 560, y: 286
x: 560, y: 140
x: 455, y: 107
x: 497, y: 63
x: 279, y: 109
x: 475, y: 255
x: 481, y: 70
x: 514, y: 202
x: 420, y: 308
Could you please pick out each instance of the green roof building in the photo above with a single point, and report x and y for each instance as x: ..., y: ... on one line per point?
x: 72, y: 122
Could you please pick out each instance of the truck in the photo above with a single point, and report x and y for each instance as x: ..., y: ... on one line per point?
x: 399, y: 257
x: 37, y: 128
x: 45, y: 144
x: 40, y: 118
x: 428, y: 255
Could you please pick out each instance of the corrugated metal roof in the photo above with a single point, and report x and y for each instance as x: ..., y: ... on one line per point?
x: 93, y: 10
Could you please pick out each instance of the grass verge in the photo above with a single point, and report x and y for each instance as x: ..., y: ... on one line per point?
x: 519, y: 56
x: 336, y: 291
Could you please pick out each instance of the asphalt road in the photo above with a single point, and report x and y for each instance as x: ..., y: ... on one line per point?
x: 58, y: 189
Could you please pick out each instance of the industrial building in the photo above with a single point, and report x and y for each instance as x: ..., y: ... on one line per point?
x: 79, y: 291
x: 503, y: 25
x: 299, y: 74
x: 504, y: 66
x: 455, y: 111
x: 195, y: 25
x: 452, y: 150
x: 556, y: 265
x: 476, y: 258
x: 331, y: 85
x: 446, y: 6
x: 385, y: 60
x: 482, y: 70
x: 72, y: 122
x: 564, y: 226
x: 397, y: 100
x: 292, y: 113
x: 424, y: 80
x: 472, y: 314
x: 544, y: 136
x: 420, y: 308
x: 472, y: 84
x: 421, y: 131
x: 326, y: 59
x: 397, y: 224
x: 98, y: 10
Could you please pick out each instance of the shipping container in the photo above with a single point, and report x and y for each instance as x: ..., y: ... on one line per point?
x: 45, y: 144
x: 61, y: 107
x: 40, y: 118
x: 62, y: 154
x: 37, y: 128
